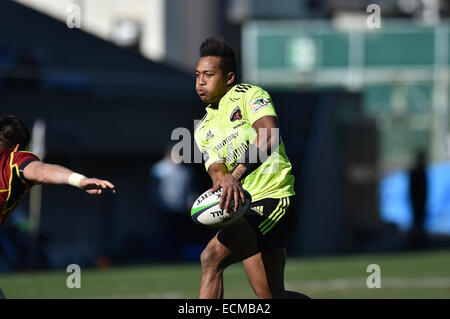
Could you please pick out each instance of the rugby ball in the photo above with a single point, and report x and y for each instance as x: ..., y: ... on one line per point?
x: 206, y: 210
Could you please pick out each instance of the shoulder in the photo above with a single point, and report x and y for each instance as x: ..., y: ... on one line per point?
x: 21, y: 156
x: 21, y: 159
x: 243, y: 87
x: 201, y: 123
x: 246, y: 92
x: 200, y: 127
x: 15, y: 156
x: 246, y: 89
x: 253, y: 96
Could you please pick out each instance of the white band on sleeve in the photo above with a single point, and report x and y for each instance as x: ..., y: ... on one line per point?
x: 75, y: 179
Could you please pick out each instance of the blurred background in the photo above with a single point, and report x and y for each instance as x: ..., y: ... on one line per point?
x: 362, y: 93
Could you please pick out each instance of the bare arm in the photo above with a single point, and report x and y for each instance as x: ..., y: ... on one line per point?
x: 267, y: 140
x: 39, y: 172
x: 216, y: 171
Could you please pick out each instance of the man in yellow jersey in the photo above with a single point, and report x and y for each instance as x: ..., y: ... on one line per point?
x: 241, y: 148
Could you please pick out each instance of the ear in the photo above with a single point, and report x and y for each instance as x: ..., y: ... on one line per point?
x: 230, y: 78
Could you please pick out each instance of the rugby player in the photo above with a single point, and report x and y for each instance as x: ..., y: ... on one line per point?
x: 20, y: 169
x: 241, y: 148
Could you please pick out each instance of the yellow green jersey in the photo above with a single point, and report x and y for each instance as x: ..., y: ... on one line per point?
x: 224, y: 134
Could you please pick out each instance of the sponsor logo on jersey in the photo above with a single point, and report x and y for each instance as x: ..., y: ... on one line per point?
x: 236, y: 114
x: 226, y: 140
x: 237, y: 153
x: 209, y: 135
x: 239, y: 125
x: 259, y: 103
x: 258, y: 209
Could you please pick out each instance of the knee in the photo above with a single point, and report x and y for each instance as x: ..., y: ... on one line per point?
x: 211, y: 259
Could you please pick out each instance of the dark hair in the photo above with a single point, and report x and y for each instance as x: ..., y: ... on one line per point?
x: 13, y: 131
x: 218, y: 47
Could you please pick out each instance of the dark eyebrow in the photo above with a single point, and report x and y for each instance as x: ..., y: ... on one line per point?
x: 207, y: 70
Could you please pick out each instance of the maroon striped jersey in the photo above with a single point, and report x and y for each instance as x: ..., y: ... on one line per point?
x: 13, y: 185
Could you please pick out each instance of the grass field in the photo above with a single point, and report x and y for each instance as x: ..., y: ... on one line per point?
x: 403, y: 275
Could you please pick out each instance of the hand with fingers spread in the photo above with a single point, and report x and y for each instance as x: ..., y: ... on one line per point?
x: 231, y: 189
x: 96, y: 186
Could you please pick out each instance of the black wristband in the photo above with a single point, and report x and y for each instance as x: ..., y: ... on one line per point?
x: 249, y: 162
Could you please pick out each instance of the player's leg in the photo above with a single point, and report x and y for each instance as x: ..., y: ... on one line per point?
x: 230, y: 245
x: 265, y: 269
x: 211, y: 284
x: 274, y: 261
x: 2, y: 296
x: 265, y: 272
x: 257, y: 277
x: 272, y: 225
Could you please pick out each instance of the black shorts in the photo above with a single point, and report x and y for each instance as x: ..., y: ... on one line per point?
x: 272, y: 220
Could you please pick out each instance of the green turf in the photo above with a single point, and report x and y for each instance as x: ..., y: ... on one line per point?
x: 406, y: 275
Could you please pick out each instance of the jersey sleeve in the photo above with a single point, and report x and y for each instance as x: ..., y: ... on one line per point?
x: 258, y: 103
x: 22, y: 159
x: 209, y: 155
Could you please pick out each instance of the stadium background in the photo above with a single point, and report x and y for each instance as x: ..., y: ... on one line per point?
x: 356, y: 104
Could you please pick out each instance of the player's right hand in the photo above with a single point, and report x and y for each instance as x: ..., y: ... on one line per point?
x: 231, y: 189
x: 96, y: 186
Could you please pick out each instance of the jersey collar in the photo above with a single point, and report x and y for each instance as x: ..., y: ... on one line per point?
x: 209, y: 108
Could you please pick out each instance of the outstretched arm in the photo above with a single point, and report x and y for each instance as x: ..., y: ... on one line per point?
x: 39, y: 172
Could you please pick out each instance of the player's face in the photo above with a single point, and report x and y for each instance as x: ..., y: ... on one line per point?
x: 211, y: 84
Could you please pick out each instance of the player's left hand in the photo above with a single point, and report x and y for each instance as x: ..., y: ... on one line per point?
x: 231, y: 189
x: 96, y: 186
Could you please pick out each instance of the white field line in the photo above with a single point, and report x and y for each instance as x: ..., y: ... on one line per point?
x: 346, y: 283
x: 154, y: 295
x: 311, y: 285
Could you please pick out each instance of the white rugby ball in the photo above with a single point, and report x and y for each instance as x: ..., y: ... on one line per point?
x: 206, y: 210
